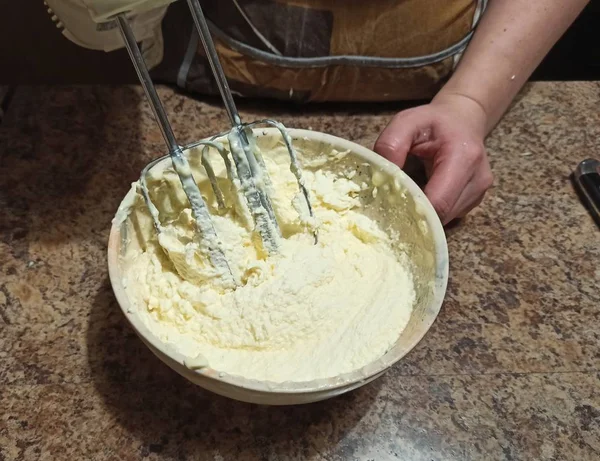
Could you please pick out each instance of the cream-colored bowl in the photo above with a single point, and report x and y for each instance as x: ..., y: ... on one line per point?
x: 403, y: 207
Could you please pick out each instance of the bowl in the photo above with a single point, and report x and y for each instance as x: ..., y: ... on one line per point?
x: 423, y: 238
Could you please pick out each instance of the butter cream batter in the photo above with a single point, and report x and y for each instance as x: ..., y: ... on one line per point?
x: 311, y: 311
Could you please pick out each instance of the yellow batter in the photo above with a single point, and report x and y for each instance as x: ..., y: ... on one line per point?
x: 312, y: 311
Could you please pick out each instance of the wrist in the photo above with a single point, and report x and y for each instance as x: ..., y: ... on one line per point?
x: 465, y: 106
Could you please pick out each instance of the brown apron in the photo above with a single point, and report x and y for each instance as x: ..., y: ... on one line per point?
x: 331, y: 50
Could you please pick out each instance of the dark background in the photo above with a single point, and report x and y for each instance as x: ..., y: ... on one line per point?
x: 33, y: 51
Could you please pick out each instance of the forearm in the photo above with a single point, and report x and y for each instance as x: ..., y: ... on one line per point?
x: 511, y: 40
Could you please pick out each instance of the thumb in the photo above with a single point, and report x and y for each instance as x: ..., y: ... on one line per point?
x: 396, y: 140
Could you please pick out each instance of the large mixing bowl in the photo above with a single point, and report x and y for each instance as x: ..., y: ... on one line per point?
x: 407, y: 211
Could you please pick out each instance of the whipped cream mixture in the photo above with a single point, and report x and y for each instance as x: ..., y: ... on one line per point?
x: 311, y: 311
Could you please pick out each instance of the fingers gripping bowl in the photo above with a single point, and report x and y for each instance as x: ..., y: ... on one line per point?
x: 381, y: 193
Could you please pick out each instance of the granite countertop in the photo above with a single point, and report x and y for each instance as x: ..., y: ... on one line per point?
x: 510, y: 369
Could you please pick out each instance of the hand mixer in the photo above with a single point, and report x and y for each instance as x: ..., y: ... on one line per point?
x: 249, y: 174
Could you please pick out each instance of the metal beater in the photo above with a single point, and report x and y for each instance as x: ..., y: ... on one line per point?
x: 250, y: 171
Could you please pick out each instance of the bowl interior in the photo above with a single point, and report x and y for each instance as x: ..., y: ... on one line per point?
x: 391, y: 198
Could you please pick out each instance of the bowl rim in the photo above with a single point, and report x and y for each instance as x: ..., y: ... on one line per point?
x: 324, y: 384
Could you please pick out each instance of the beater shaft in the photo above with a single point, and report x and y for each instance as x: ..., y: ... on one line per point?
x: 208, y: 236
x: 251, y: 173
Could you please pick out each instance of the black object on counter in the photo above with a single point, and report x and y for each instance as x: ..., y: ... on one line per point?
x: 587, y: 181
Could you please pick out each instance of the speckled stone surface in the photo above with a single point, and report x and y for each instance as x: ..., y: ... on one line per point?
x: 509, y: 371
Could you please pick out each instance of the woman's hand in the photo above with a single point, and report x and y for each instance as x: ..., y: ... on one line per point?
x: 511, y: 40
x: 448, y: 135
